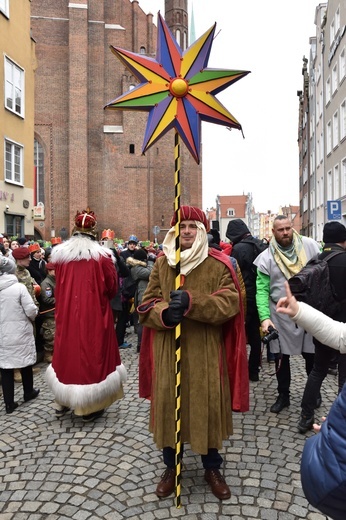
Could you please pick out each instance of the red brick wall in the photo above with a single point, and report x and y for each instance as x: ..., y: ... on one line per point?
x: 77, y: 75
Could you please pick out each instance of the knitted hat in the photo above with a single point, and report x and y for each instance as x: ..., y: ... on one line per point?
x: 50, y: 266
x: 140, y: 254
x: 20, y: 253
x: 85, y: 223
x: 333, y: 233
x: 191, y: 213
x: 7, y: 265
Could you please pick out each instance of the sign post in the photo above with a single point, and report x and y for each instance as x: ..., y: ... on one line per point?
x: 334, y: 209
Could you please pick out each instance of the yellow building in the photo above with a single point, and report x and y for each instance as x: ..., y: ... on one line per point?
x: 17, y: 180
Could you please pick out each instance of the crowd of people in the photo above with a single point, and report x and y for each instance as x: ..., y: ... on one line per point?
x: 70, y: 306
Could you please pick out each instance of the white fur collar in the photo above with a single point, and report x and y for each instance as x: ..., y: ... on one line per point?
x: 77, y: 248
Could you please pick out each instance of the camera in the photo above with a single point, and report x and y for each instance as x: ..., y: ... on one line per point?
x: 272, y: 334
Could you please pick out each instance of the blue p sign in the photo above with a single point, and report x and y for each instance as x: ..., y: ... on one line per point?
x: 334, y: 209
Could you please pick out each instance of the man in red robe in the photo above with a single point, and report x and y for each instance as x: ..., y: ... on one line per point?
x: 86, y: 374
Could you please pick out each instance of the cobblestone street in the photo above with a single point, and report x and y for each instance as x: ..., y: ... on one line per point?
x: 108, y: 469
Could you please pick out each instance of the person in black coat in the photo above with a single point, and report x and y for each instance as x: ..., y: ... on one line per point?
x: 245, y: 249
x: 334, y: 238
x: 37, y: 266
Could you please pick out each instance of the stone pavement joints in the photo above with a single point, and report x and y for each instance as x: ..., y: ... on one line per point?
x: 55, y: 469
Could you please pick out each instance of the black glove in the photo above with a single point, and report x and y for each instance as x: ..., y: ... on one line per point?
x: 177, y: 306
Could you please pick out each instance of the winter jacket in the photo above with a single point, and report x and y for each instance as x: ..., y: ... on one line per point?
x: 122, y: 272
x: 323, y: 466
x: 17, y: 313
x: 47, y: 298
x: 140, y: 271
x: 244, y: 251
x: 37, y: 269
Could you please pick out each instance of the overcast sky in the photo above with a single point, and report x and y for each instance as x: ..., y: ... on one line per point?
x: 269, y: 38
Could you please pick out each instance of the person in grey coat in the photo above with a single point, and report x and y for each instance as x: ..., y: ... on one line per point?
x: 141, y: 266
x: 287, y: 254
x: 17, y: 341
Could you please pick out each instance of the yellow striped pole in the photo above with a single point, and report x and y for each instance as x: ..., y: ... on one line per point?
x: 177, y: 328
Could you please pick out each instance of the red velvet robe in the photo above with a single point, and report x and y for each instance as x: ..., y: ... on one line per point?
x: 86, y: 372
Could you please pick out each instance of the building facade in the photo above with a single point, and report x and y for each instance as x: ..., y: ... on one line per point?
x: 91, y: 157
x: 230, y: 207
x: 17, y: 180
x: 322, y: 145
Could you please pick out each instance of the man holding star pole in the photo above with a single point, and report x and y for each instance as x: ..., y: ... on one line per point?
x: 205, y: 306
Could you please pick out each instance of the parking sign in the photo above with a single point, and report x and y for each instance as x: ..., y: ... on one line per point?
x: 334, y: 209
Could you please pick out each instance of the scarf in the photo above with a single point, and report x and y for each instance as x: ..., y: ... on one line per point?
x: 292, y: 259
x: 189, y: 258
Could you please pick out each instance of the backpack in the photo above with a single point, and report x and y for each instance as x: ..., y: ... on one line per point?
x: 258, y: 247
x: 128, y: 287
x: 312, y: 286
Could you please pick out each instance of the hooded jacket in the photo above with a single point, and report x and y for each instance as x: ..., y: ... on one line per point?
x: 237, y: 230
x: 17, y: 313
x: 245, y: 249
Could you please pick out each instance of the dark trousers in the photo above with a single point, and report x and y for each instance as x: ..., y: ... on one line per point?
x: 252, y: 326
x: 212, y: 460
x: 283, y: 370
x: 323, y: 356
x: 123, y: 318
x: 7, y: 383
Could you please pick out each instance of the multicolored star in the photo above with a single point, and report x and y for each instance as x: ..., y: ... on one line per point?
x: 176, y: 89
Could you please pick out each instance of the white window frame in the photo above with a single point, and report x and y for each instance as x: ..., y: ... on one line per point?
x: 342, y: 65
x: 335, y: 129
x: 329, y: 137
x: 305, y: 174
x: 328, y: 91
x: 329, y: 185
x: 13, y: 162
x: 331, y: 32
x: 321, y: 104
x: 305, y: 202
x: 343, y: 176
x: 14, y: 86
x: 230, y: 212
x: 334, y: 79
x: 337, y: 20
x: 321, y: 194
x: 5, y: 7
x: 343, y: 120
x: 336, y: 182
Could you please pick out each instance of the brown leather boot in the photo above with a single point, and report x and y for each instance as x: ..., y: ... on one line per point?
x: 217, y: 483
x: 167, y: 483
